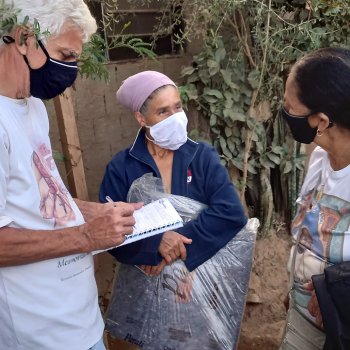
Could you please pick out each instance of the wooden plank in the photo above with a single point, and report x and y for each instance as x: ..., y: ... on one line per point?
x: 70, y: 145
x: 73, y: 155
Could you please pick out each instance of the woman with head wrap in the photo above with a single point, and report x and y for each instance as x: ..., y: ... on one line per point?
x: 317, y: 109
x: 187, y: 168
x: 48, y: 294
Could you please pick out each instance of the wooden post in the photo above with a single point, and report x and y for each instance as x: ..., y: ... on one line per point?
x: 73, y: 156
x: 70, y: 145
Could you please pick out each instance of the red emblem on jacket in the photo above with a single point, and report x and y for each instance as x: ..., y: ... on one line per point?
x: 189, y: 176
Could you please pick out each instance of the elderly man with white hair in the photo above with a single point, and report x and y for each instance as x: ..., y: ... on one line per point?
x: 48, y: 294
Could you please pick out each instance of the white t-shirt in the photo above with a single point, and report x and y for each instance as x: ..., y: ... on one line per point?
x: 51, y: 304
x: 322, y: 223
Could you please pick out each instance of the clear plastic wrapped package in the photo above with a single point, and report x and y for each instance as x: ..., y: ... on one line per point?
x: 181, y: 310
x: 149, y: 188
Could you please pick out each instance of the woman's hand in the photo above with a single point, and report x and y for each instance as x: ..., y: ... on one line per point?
x: 172, y: 246
x: 153, y: 270
x: 313, y: 306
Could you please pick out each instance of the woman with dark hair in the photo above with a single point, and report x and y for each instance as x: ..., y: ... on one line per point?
x: 317, y: 109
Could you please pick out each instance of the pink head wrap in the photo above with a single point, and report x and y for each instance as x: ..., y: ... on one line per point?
x: 135, y: 90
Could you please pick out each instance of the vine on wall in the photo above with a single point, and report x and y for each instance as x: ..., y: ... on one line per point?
x: 237, y: 83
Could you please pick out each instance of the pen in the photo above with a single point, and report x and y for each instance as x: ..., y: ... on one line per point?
x: 110, y: 200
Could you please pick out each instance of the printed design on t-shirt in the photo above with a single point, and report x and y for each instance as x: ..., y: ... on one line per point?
x: 334, y: 223
x: 322, y: 225
x: 54, y: 203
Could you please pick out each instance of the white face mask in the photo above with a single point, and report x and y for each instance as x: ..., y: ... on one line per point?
x: 170, y: 133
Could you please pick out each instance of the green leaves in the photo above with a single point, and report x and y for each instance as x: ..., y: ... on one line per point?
x: 220, y: 54
x: 239, y: 77
x: 213, y: 67
x: 8, y: 17
x: 136, y: 44
x: 253, y: 78
x: 234, y: 116
x: 213, y: 92
x: 93, y: 58
x: 59, y: 156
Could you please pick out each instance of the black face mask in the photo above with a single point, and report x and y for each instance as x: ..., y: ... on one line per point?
x: 52, y: 78
x: 300, y: 127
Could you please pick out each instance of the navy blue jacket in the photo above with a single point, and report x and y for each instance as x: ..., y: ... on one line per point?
x: 197, y: 174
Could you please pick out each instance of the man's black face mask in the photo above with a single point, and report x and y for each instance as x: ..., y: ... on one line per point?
x: 52, y: 78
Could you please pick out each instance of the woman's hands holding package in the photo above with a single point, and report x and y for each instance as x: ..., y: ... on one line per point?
x: 313, y: 305
x: 153, y: 270
x: 172, y: 246
x: 107, y: 224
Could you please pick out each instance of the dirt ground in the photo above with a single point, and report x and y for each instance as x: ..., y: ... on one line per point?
x: 265, y: 313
